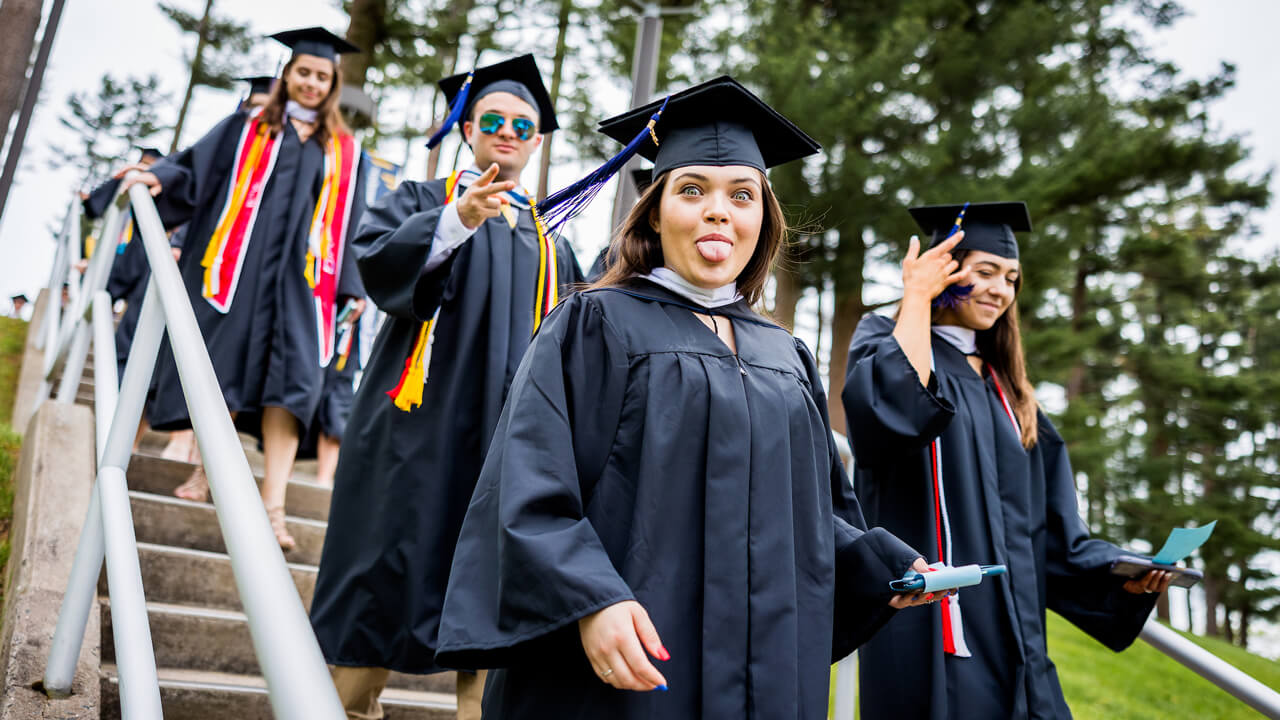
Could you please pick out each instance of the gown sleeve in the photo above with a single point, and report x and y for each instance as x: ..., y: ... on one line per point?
x: 866, y: 560
x: 194, y: 177
x: 128, y: 268
x: 392, y: 244
x: 96, y: 204
x: 349, y: 284
x: 528, y: 561
x: 890, y: 414
x: 1079, y: 584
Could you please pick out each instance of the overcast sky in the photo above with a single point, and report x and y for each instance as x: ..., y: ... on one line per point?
x: 132, y: 37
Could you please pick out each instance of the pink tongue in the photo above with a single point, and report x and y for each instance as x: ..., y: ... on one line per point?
x: 714, y: 250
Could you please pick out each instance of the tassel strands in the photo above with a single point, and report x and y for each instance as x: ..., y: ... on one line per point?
x: 953, y: 296
x: 565, y: 204
x: 455, y: 112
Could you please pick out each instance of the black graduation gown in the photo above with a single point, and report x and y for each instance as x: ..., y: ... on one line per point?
x: 1007, y: 505
x: 336, y: 397
x: 404, y: 478
x: 96, y: 204
x: 638, y: 458
x: 128, y: 282
x: 264, y: 349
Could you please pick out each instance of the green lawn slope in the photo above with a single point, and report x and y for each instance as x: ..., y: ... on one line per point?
x: 13, y: 334
x: 1142, y: 683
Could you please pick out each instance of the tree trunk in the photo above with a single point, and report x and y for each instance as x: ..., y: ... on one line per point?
x: 365, y: 31
x: 19, y: 21
x: 848, y: 310
x: 1162, y: 608
x: 195, y: 73
x: 1212, y: 598
x: 557, y: 70
x: 786, y: 294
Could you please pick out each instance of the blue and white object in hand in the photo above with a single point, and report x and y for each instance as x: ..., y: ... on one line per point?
x: 945, y: 578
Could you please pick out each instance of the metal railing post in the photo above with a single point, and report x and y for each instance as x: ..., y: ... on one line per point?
x: 114, y: 451
x: 298, y: 681
x: 95, y: 279
x: 56, y: 271
x: 1213, y: 668
x: 135, y: 658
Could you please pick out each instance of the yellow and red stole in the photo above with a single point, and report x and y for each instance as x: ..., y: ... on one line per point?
x: 407, y: 394
x: 325, y: 240
x: 224, y: 257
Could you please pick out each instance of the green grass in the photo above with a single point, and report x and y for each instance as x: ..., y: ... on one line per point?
x: 1142, y: 683
x: 13, y: 335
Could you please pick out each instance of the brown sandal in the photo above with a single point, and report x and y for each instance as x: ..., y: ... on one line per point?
x: 276, y: 516
x: 196, y: 488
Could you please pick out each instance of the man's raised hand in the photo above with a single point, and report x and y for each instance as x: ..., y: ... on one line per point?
x: 483, y: 199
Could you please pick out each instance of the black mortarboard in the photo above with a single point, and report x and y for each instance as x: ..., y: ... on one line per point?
x: 16, y: 298
x: 259, y: 83
x: 315, y: 41
x: 518, y: 76
x: 988, y: 227
x: 642, y: 177
x: 150, y: 152
x: 716, y: 123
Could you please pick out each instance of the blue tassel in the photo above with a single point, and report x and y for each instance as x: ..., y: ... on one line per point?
x: 455, y: 112
x: 953, y: 296
x: 563, y: 205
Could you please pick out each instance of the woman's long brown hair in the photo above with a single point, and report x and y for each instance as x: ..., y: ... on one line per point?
x: 328, y: 118
x: 637, y: 247
x: 1001, y: 349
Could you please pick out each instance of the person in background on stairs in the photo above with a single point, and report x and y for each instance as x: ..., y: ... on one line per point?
x: 323, y: 440
x: 955, y: 457
x: 465, y: 275
x: 270, y: 196
x: 663, y: 507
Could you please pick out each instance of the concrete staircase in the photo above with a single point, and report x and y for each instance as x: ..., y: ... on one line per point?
x: 204, y: 654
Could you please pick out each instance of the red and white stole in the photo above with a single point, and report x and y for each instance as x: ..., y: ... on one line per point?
x: 953, y: 642
x: 325, y: 239
x: 224, y: 256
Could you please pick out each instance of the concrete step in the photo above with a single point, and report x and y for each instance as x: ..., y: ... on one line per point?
x: 148, y: 473
x: 189, y: 638
x: 163, y: 520
x: 180, y: 576
x: 202, y: 695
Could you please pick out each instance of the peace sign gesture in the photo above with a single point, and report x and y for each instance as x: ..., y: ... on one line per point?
x: 483, y: 199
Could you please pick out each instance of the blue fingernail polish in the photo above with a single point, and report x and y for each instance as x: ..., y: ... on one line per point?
x: 663, y: 688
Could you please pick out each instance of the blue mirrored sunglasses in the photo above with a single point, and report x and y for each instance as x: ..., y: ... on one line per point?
x: 491, y: 123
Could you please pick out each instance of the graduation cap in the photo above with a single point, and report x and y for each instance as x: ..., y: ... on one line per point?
x: 718, y: 123
x: 315, y: 41
x: 150, y: 152
x: 518, y: 76
x: 16, y: 298
x: 642, y: 177
x: 988, y: 227
x: 259, y: 83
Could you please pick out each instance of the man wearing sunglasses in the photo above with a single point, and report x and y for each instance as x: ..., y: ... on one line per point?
x: 465, y: 277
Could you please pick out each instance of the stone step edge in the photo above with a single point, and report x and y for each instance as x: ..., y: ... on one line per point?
x: 210, y: 555
x: 171, y: 500
x: 178, y: 678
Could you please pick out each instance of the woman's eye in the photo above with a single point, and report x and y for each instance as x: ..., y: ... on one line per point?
x: 691, y: 190
x: 742, y: 196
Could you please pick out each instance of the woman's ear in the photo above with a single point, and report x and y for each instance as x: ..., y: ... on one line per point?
x: 653, y: 220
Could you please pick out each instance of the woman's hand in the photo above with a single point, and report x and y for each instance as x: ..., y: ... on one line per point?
x: 925, y: 275
x: 1155, y: 581
x: 483, y: 199
x: 145, y: 178
x: 919, y: 597
x: 356, y: 311
x: 615, y: 640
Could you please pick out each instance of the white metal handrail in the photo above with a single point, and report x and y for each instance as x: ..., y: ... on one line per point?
x: 298, y: 682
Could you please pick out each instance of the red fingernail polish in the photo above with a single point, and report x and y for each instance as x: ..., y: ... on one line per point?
x: 929, y: 596
x: 663, y: 655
